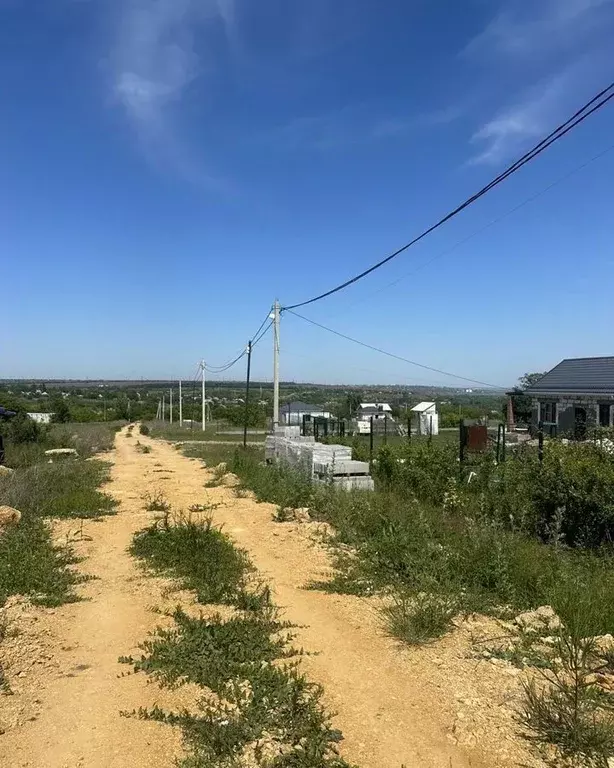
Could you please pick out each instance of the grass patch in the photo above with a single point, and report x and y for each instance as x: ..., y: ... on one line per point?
x: 62, y: 489
x: 211, y: 454
x: 197, y: 554
x: 214, y: 432
x: 262, y: 709
x: 31, y: 565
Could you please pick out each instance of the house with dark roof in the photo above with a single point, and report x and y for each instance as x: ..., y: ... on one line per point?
x: 293, y: 413
x: 577, y: 394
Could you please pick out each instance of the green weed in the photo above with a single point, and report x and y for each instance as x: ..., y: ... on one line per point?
x: 156, y: 501
x: 196, y: 553
x: 420, y: 618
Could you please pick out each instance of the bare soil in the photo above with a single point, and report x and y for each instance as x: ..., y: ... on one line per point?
x: 439, y: 706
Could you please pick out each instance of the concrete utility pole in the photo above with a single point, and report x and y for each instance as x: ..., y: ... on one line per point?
x: 276, y: 364
x: 247, y: 382
x: 180, y: 406
x: 170, y: 409
x: 204, y: 406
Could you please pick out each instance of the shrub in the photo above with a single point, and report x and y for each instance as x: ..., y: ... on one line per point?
x: 568, y: 709
x: 144, y: 429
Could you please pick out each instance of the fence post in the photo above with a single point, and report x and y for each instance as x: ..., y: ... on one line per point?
x: 430, y: 430
x: 371, y: 441
x: 498, y: 449
x: 462, y: 441
x: 386, y: 429
x: 540, y: 442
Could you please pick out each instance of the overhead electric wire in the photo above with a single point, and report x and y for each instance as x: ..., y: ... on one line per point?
x: 222, y: 368
x: 264, y: 332
x: 490, y: 224
x: 392, y: 354
x: 226, y: 366
x: 579, y: 116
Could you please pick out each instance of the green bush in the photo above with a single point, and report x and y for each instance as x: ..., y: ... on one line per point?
x: 22, y: 429
x: 568, y: 499
x: 144, y: 429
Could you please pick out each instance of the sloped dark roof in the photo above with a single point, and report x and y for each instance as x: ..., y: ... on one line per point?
x: 580, y: 375
x: 298, y: 405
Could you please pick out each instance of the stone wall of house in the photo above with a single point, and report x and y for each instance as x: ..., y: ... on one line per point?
x: 566, y: 405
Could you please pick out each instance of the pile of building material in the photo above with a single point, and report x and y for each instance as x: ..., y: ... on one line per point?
x: 323, y: 463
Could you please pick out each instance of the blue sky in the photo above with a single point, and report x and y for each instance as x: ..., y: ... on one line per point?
x: 169, y: 167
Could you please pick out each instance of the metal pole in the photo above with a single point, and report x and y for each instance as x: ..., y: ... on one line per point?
x: 540, y: 442
x: 203, y: 407
x: 371, y: 440
x: 275, y: 364
x: 170, y: 409
x: 386, y: 429
x: 162, y: 407
x: 249, y: 367
x: 409, y: 429
x: 180, y: 406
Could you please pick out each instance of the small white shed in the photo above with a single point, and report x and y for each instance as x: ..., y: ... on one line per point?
x: 427, y: 418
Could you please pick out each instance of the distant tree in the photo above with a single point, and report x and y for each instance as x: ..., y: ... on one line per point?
x: 122, y: 407
x: 521, y: 403
x: 60, y: 409
x: 352, y: 403
x: 529, y: 379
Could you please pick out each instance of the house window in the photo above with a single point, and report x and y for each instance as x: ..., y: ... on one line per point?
x: 547, y: 412
x: 604, y: 415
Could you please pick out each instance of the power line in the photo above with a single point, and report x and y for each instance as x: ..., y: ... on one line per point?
x: 579, y: 116
x: 226, y: 366
x: 490, y: 224
x: 264, y: 332
x: 391, y: 354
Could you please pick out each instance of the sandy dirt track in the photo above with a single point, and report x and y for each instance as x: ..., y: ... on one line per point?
x: 392, y: 704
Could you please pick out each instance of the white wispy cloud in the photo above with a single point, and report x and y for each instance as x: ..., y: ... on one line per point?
x: 155, y: 60
x: 551, y: 41
x: 523, y: 29
x: 512, y: 127
x: 357, y: 124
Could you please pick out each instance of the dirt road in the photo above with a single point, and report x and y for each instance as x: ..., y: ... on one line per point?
x: 77, y: 722
x: 392, y: 704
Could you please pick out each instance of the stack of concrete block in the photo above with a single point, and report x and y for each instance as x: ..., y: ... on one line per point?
x: 323, y: 463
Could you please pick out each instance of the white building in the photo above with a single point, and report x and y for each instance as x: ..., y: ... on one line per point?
x: 293, y: 413
x: 375, y: 411
x: 427, y: 418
